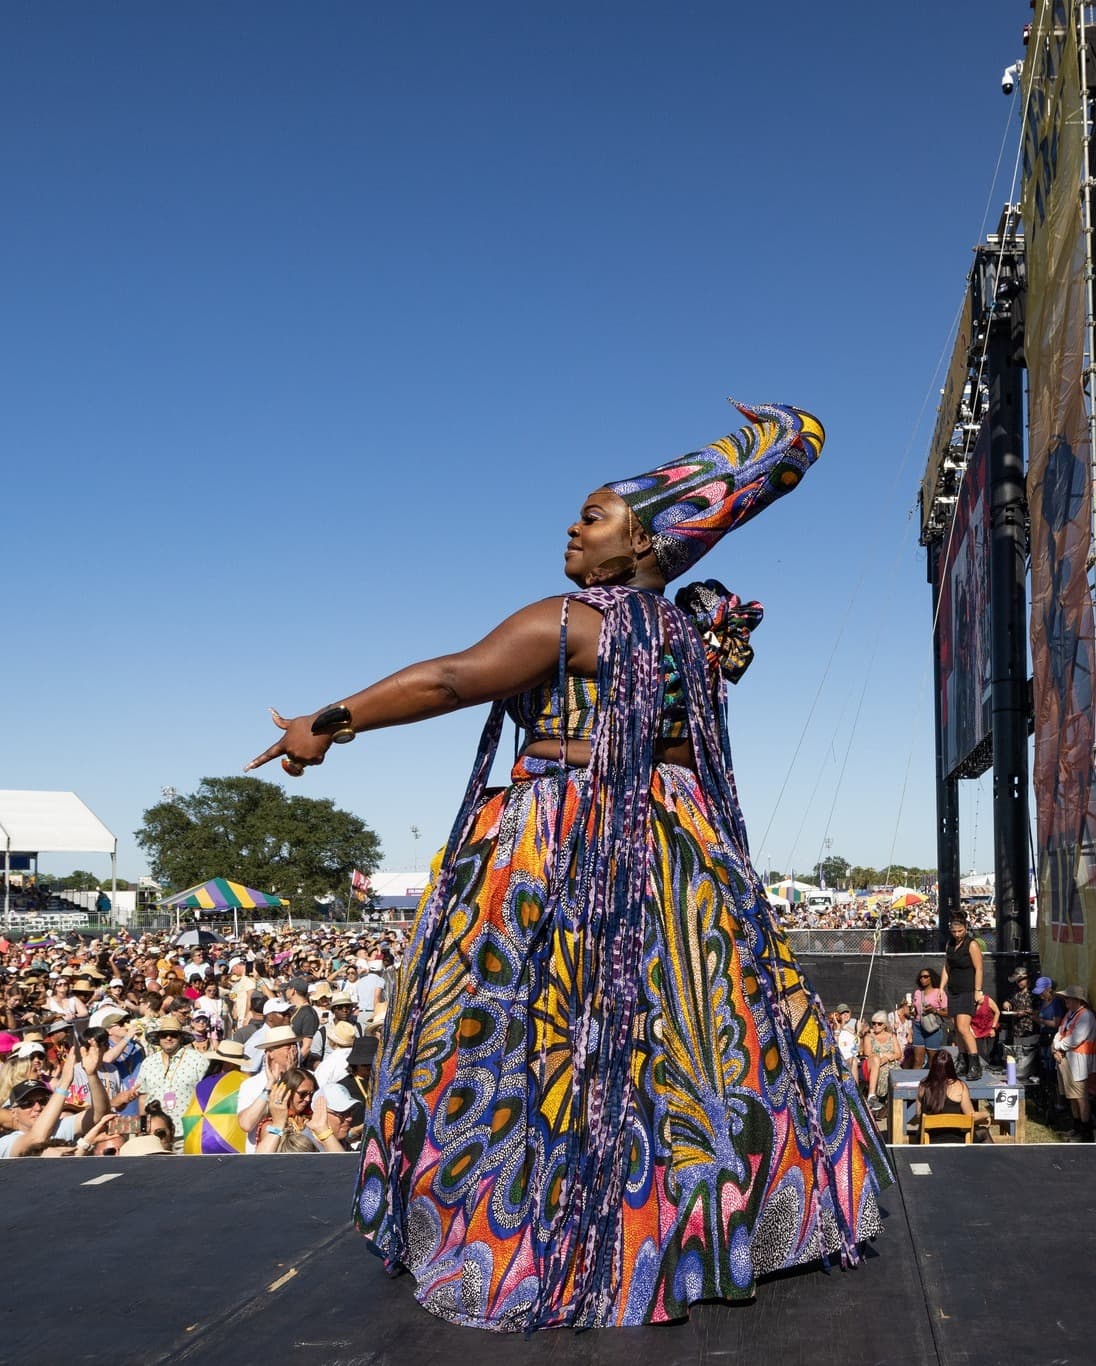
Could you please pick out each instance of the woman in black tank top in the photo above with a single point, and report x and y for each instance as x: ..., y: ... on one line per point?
x: 962, y: 980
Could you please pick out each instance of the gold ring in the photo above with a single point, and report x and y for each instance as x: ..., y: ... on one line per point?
x: 293, y: 768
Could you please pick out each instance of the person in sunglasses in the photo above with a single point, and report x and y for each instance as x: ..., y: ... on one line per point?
x: 37, y: 1113
x: 171, y: 1072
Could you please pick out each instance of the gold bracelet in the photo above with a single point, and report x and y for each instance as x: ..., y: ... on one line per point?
x: 335, y: 721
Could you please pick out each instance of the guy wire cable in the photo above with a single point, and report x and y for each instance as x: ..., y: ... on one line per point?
x: 839, y: 634
x: 865, y: 683
x: 968, y: 434
x: 899, y: 472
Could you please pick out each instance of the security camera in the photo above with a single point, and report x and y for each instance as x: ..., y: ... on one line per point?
x: 1010, y: 76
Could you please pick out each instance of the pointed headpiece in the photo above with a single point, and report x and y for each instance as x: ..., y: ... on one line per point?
x: 690, y: 503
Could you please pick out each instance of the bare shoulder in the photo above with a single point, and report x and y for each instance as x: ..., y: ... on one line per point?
x: 537, y: 626
x: 583, y: 621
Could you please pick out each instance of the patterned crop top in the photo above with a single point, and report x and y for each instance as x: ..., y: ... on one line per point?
x: 540, y: 714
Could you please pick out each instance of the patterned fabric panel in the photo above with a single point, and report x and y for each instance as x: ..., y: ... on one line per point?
x: 748, y: 1148
x: 540, y: 711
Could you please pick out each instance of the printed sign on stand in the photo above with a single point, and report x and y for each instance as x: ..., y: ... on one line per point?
x: 1006, y: 1103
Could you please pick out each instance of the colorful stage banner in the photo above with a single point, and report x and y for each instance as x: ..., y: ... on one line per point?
x: 1059, y: 497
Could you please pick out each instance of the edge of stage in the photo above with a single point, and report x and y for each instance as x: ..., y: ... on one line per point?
x: 253, y: 1259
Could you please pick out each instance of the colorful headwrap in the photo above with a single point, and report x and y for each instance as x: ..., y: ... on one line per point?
x: 690, y: 503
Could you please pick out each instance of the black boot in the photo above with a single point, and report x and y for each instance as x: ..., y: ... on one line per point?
x: 961, y: 1066
x: 974, y: 1067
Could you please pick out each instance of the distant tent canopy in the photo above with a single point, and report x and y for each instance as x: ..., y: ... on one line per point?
x: 221, y: 895
x: 396, y: 903
x: 33, y: 823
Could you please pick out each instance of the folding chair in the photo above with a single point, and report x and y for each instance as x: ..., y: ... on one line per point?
x: 953, y: 1124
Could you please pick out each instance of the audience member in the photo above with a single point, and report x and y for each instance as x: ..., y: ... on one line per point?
x: 983, y: 1025
x: 930, y: 1007
x: 848, y: 1043
x: 880, y: 1049
x: 1074, y: 1052
x: 943, y: 1093
x: 360, y: 1067
x: 36, y: 1112
x: 171, y: 1071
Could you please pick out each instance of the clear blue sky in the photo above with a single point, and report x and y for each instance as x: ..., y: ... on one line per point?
x: 319, y: 321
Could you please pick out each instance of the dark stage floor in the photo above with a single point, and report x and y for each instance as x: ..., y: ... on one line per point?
x: 987, y: 1257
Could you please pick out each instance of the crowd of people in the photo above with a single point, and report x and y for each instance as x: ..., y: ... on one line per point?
x: 132, y: 1046
x: 136, y: 1046
x: 875, y: 913
x: 953, y: 1027
x: 266, y: 1043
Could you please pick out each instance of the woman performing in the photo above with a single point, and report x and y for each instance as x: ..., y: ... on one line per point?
x: 604, y: 1089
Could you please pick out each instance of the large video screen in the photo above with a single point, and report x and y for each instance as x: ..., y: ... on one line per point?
x: 963, y: 621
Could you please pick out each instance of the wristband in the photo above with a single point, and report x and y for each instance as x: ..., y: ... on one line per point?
x: 323, y: 1135
x: 275, y: 1130
x: 83, y: 1145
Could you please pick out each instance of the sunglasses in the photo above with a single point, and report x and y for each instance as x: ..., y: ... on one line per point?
x: 169, y: 1034
x: 29, y: 1104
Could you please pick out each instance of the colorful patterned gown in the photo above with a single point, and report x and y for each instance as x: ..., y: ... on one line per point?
x: 605, y: 1090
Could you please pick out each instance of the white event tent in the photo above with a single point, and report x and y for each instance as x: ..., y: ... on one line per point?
x: 33, y: 823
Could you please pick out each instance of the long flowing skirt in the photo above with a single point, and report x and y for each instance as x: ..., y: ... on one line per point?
x: 748, y: 1149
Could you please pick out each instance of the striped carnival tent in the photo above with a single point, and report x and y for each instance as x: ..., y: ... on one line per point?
x: 220, y: 894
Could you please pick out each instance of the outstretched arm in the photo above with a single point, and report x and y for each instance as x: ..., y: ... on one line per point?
x: 518, y: 654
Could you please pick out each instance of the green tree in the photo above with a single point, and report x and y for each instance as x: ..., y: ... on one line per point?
x: 835, y: 869
x: 79, y: 880
x: 252, y: 832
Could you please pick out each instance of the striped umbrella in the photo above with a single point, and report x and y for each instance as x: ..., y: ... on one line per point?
x: 220, y: 894
x: 905, y: 899
x: 210, y: 1124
